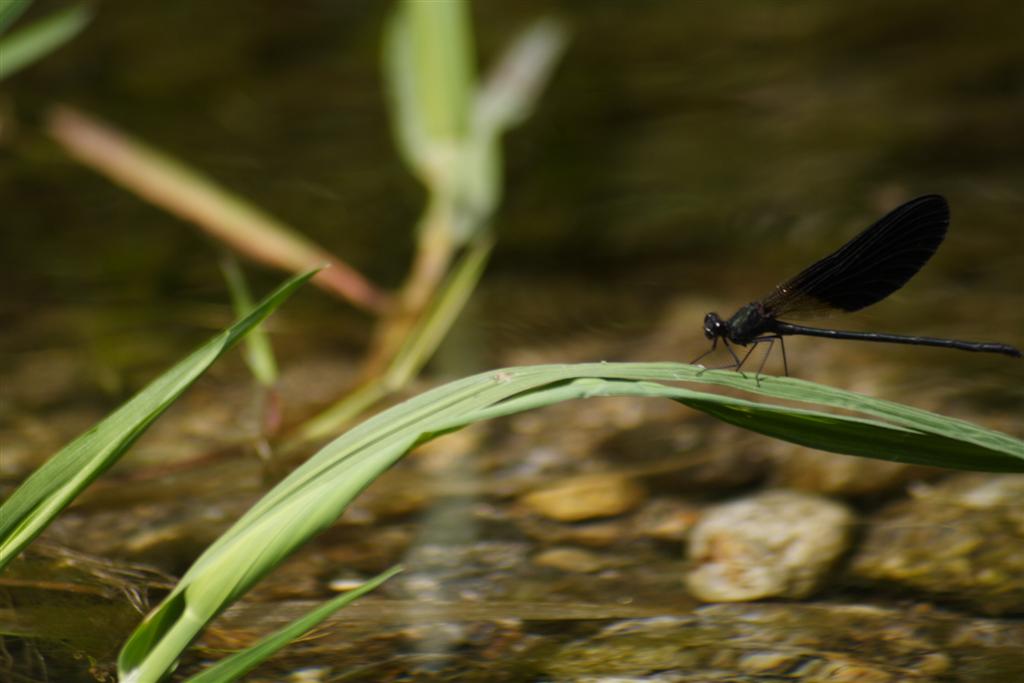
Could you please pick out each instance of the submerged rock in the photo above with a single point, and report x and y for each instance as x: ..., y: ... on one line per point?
x: 792, y: 642
x: 961, y: 540
x: 587, y: 496
x: 776, y: 544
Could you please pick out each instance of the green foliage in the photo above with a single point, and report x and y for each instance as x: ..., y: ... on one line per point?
x: 258, y: 353
x: 448, y: 129
x: 29, y: 44
x: 10, y: 10
x: 233, y: 667
x: 313, y: 496
x: 53, y: 486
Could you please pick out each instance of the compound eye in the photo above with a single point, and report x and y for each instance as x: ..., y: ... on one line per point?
x: 712, y: 326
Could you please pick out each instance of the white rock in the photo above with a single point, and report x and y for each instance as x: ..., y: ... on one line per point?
x: 775, y: 544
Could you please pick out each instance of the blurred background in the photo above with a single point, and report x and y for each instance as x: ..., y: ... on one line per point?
x: 703, y: 150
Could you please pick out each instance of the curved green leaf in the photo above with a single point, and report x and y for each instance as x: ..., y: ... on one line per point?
x: 315, y: 494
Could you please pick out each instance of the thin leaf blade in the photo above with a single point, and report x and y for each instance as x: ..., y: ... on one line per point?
x: 55, y: 484
x: 237, y: 665
x: 10, y: 10
x: 28, y: 44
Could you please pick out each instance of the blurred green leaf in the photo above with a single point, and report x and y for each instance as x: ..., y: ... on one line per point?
x: 450, y: 140
x: 258, y: 353
x: 504, y: 101
x: 408, y: 124
x: 443, y: 54
x: 28, y: 44
x: 428, y: 60
x: 55, y: 484
x: 10, y: 10
x: 444, y: 309
x: 416, y: 349
x: 449, y: 134
x: 513, y: 86
x: 234, y: 667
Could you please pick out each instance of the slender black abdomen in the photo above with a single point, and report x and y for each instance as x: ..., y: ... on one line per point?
x: 982, y: 347
x: 865, y: 270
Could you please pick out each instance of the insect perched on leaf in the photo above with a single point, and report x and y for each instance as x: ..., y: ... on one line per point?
x: 865, y: 270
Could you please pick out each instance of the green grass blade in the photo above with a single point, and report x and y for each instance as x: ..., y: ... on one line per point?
x: 789, y: 388
x: 416, y: 349
x: 430, y: 75
x: 28, y: 44
x: 56, y: 483
x: 237, y: 665
x: 444, y: 310
x: 824, y: 431
x: 314, y: 495
x: 10, y: 10
x: 505, y: 100
x: 258, y: 353
x: 442, y: 42
x: 407, y: 124
x: 514, y: 84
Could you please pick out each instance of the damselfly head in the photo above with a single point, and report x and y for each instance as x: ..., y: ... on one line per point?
x: 713, y: 326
